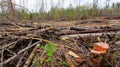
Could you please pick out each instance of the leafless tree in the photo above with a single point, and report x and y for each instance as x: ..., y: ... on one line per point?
x: 107, y: 3
x: 95, y: 7
x: 95, y: 4
x: 7, y: 8
x: 11, y: 8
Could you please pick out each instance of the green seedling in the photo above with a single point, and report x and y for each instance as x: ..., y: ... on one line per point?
x: 50, y: 50
x: 49, y: 59
x: 36, y: 65
x: 41, y: 47
x: 63, y: 63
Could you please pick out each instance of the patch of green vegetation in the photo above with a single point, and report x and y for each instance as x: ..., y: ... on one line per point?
x: 115, y: 54
x: 49, y: 59
x: 36, y: 65
x: 50, y: 50
x: 63, y: 63
x: 41, y: 47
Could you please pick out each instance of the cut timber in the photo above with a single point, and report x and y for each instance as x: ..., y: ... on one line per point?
x: 87, y: 31
x: 67, y: 37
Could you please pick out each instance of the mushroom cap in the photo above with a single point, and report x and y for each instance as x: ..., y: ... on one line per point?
x: 100, y: 48
x: 102, y: 44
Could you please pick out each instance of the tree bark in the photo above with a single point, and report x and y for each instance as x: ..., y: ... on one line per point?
x: 11, y: 8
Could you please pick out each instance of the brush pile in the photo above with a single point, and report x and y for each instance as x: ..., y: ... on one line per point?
x: 26, y: 44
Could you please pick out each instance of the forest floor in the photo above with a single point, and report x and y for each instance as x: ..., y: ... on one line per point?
x: 59, y: 44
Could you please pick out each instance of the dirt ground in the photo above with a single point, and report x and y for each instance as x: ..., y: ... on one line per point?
x: 83, y: 23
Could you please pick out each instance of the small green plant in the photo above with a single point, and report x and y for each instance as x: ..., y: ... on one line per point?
x: 115, y: 54
x: 41, y: 47
x: 36, y: 65
x: 63, y: 63
x: 49, y: 59
x: 50, y: 50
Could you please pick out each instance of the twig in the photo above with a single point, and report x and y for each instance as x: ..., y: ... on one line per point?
x: 106, y: 61
x: 2, y: 56
x: 20, y: 60
x: 20, y: 52
x: 7, y: 45
x: 11, y: 52
x: 31, y: 56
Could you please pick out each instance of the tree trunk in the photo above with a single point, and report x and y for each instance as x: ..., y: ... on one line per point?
x: 11, y: 8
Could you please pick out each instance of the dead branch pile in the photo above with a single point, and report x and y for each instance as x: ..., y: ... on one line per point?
x: 25, y: 45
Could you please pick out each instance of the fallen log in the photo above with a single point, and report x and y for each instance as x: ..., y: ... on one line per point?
x: 101, y: 27
x: 87, y: 31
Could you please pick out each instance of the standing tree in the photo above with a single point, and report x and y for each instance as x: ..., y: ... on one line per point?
x: 11, y: 8
x: 107, y: 3
x: 118, y: 8
x: 95, y: 6
x: 8, y: 9
x: 78, y: 10
x: 42, y: 10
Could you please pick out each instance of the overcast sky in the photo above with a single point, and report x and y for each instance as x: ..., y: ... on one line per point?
x: 34, y: 5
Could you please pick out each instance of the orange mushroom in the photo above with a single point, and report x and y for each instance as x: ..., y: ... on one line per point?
x: 100, y: 48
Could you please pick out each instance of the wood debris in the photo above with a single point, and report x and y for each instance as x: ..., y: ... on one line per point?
x: 19, y: 41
